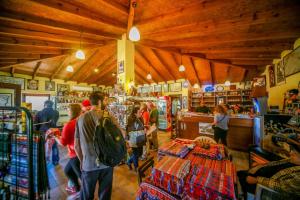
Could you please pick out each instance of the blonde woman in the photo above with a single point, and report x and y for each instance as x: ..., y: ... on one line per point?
x: 220, y: 124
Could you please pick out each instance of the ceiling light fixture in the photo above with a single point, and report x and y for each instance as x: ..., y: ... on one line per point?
x: 181, y: 67
x: 227, y: 83
x: 96, y: 70
x: 113, y: 74
x: 70, y: 68
x: 79, y: 53
x: 149, y: 77
x: 134, y: 34
x: 196, y: 86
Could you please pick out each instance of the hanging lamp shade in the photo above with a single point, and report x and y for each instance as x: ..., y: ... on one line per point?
x: 70, y: 68
x: 96, y: 70
x: 80, y: 54
x: 149, y: 76
x: 134, y: 34
x: 227, y: 83
x: 181, y: 68
x: 196, y: 85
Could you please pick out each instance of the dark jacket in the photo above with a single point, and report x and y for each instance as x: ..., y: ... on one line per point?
x: 134, y: 124
x: 46, y: 115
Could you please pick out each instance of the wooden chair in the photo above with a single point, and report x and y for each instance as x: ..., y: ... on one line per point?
x: 144, y: 167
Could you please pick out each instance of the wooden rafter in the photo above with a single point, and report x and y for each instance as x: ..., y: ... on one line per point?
x: 36, y: 69
x: 130, y: 16
x: 106, y: 72
x: 24, y: 56
x: 26, y: 49
x: 61, y: 65
x: 100, y: 66
x: 83, y: 65
x: 212, y: 72
x: 115, y: 6
x: 72, y: 8
x: 141, y: 76
x: 107, y: 77
x: 228, y: 73
x: 195, y: 70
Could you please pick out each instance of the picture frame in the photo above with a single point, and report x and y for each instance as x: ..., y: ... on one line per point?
x: 259, y: 81
x: 6, y: 99
x: 291, y: 62
x: 97, y: 89
x: 13, y: 80
x: 165, y: 87
x: 157, y: 88
x: 32, y: 84
x: 62, y: 89
x: 175, y: 87
x: 272, y: 81
x: 49, y: 86
x: 121, y: 67
x: 280, y: 73
x: 184, y: 102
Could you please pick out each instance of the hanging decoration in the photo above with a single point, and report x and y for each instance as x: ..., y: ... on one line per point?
x: 181, y: 67
x: 70, y: 68
x: 79, y: 53
x: 134, y: 34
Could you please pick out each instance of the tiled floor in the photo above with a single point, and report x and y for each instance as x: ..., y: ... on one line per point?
x: 125, y: 182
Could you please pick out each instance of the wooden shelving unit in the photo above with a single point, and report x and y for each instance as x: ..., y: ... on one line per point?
x: 211, y: 99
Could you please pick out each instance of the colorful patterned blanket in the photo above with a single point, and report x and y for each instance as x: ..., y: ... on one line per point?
x: 174, y: 149
x: 148, y: 191
x: 214, y: 151
x: 206, y: 184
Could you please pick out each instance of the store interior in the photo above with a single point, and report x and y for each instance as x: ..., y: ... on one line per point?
x: 187, y: 59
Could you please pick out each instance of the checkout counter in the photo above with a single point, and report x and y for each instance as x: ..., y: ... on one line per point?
x: 240, y: 134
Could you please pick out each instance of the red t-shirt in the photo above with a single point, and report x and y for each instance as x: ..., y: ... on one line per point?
x: 146, y: 117
x: 67, y: 137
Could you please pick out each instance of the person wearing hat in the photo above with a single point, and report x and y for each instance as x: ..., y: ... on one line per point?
x: 86, y: 105
x: 282, y: 176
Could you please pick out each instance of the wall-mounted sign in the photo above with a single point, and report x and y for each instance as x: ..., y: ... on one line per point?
x: 121, y: 67
x: 175, y: 87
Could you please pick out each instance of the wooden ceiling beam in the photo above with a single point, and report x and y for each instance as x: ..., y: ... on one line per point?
x: 116, y: 6
x: 251, y: 62
x: 107, y: 81
x: 60, y: 66
x: 38, y: 35
x: 142, y: 61
x: 36, y: 69
x: 11, y: 18
x: 16, y: 61
x: 162, y: 64
x: 87, y: 62
x: 267, y: 55
x: 100, y: 67
x: 190, y: 71
x: 20, y: 56
x: 144, y: 73
x: 106, y: 76
x: 195, y: 70
x: 103, y: 73
x: 141, y: 77
x: 25, y: 49
x: 212, y: 72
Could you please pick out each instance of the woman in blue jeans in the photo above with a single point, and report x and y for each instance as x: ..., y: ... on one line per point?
x: 135, y: 123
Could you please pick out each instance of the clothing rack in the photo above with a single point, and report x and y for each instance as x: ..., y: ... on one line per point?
x: 23, y: 173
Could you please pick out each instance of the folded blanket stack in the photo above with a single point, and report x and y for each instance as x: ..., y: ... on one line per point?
x: 170, y: 173
x: 204, y: 183
x: 148, y: 191
x: 213, y: 151
x: 173, y: 149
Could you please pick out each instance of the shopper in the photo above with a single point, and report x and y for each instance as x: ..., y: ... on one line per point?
x: 282, y: 176
x: 46, y: 119
x: 220, y: 124
x: 72, y: 169
x: 146, y: 117
x: 134, y: 125
x: 86, y: 105
x: 92, y: 170
x: 154, y: 124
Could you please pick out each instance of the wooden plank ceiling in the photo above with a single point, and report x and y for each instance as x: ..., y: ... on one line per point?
x: 216, y: 40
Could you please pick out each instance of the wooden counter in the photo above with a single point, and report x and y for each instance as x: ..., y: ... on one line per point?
x: 239, y: 136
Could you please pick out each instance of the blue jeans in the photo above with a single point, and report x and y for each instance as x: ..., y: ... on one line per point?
x: 134, y: 158
x: 89, y: 180
x: 55, y: 154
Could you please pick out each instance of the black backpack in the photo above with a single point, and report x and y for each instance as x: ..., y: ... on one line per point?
x: 109, y: 143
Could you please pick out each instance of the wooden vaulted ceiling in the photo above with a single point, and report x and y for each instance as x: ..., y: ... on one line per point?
x: 216, y: 40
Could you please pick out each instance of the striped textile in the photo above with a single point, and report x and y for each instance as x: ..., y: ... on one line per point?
x: 151, y: 192
x: 215, y: 151
x: 173, y: 148
x: 206, y: 184
x: 218, y: 166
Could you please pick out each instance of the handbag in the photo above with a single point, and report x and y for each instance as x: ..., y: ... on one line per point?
x: 137, y: 138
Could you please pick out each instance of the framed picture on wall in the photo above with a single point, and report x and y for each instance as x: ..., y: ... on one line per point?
x: 121, y: 67
x: 272, y: 80
x: 259, y: 81
x: 280, y: 73
x: 157, y: 88
x: 184, y: 102
x: 32, y: 84
x: 49, y: 85
x: 175, y: 87
x: 165, y: 88
x: 62, y: 89
x: 13, y: 80
x: 6, y: 99
x: 97, y: 89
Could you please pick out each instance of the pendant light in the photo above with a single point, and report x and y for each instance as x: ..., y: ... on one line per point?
x: 70, y: 68
x: 79, y: 53
x: 134, y: 34
x: 149, y: 76
x: 96, y: 70
x: 181, y: 67
x: 227, y: 83
x: 196, y: 86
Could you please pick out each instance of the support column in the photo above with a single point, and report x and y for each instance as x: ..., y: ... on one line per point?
x: 125, y: 63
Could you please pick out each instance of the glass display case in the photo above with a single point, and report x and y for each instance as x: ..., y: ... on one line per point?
x: 164, y: 113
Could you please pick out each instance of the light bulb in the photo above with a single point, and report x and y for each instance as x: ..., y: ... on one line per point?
x: 181, y: 68
x: 80, y: 54
x: 185, y: 84
x: 149, y: 76
x: 96, y: 70
x: 196, y: 85
x: 227, y: 83
x: 134, y: 34
x: 70, y: 68
x: 113, y: 74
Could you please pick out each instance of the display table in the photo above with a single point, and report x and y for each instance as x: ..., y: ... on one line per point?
x: 240, y: 134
